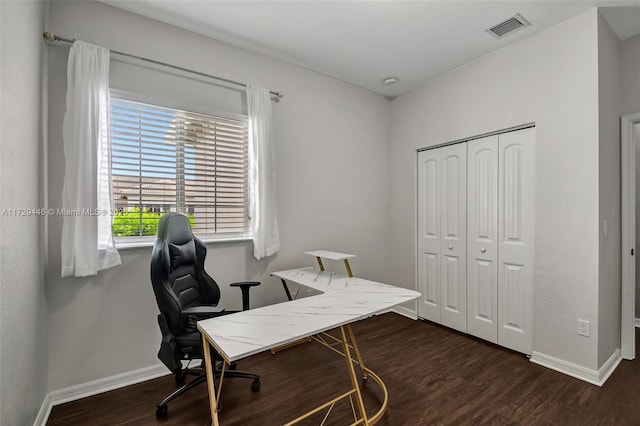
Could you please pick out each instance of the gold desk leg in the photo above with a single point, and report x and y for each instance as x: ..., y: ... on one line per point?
x: 352, y: 375
x: 211, y: 385
x: 348, y: 268
x: 355, y: 389
x: 320, y: 265
x: 357, y: 351
x: 289, y: 345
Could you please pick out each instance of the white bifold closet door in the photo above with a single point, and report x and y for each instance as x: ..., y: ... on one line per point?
x: 516, y: 233
x: 476, y: 237
x: 482, y: 238
x: 500, y: 232
x: 442, y: 223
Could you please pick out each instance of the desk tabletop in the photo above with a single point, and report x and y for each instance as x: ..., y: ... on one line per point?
x: 344, y: 300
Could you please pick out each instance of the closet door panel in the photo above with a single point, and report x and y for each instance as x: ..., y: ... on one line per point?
x: 429, y: 163
x: 516, y: 201
x: 482, y: 238
x: 453, y: 211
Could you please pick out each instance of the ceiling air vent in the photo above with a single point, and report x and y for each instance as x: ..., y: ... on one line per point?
x: 511, y: 25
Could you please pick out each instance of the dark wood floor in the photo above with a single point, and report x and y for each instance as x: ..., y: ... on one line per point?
x: 434, y: 376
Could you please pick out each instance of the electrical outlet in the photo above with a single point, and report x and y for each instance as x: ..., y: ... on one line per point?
x: 584, y: 327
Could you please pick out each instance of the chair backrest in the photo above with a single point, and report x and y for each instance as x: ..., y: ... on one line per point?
x: 177, y: 271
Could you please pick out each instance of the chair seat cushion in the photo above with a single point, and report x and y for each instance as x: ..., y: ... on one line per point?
x: 189, y: 339
x: 190, y: 345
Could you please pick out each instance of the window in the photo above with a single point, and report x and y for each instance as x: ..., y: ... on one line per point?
x: 166, y: 159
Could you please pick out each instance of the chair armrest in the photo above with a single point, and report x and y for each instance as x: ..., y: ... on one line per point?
x: 245, y: 286
x: 203, y: 312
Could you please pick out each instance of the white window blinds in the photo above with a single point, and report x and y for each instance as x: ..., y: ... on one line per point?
x: 166, y: 159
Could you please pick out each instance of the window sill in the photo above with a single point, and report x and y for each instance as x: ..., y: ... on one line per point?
x: 122, y: 244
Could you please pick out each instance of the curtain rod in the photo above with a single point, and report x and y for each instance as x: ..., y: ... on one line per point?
x: 53, y: 37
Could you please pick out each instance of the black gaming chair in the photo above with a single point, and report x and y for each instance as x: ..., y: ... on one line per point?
x: 185, y: 294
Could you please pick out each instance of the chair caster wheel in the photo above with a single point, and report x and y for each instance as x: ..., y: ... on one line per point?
x: 255, y: 385
x: 161, y: 411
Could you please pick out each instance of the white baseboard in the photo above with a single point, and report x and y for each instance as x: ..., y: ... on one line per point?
x: 405, y: 312
x: 94, y: 387
x: 637, y: 322
x: 610, y: 366
x: 43, y: 414
x: 595, y: 377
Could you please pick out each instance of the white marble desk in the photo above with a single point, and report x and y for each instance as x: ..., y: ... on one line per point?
x: 343, y: 300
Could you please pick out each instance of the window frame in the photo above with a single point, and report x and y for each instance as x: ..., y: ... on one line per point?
x: 133, y: 242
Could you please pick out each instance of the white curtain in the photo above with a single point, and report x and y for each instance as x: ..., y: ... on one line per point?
x: 262, y: 174
x: 87, y: 242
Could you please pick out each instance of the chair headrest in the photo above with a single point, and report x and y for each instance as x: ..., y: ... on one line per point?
x: 182, y: 254
x: 174, y: 228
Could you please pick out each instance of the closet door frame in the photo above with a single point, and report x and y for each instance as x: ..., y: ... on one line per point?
x: 628, y: 200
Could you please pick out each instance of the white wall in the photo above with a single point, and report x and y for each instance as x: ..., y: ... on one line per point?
x: 609, y: 102
x: 550, y: 79
x: 23, y: 308
x: 630, y: 71
x: 332, y: 166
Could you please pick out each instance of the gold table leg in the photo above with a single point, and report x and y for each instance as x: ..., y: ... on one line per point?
x: 352, y: 375
x: 359, y: 411
x: 348, y: 268
x: 289, y: 345
x: 363, y: 370
x: 211, y: 385
x: 348, y: 342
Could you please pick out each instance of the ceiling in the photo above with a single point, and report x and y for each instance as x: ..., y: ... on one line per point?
x: 362, y: 42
